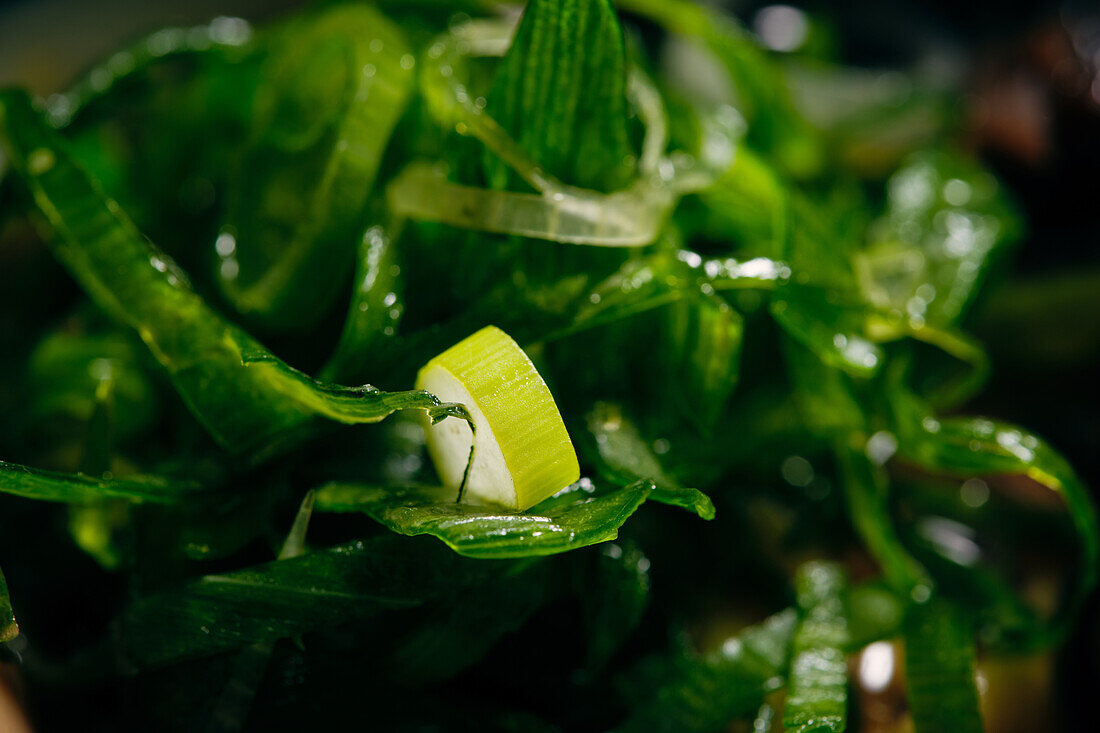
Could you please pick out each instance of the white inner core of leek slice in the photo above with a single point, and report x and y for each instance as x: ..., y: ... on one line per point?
x: 449, y: 443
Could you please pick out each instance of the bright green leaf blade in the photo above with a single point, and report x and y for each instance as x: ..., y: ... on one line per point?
x: 707, y: 693
x: 625, y: 458
x: 817, y: 697
x: 946, y: 219
x: 575, y: 517
x: 375, y: 309
x: 706, y: 333
x: 315, y: 591
x: 365, y: 404
x: 333, y: 86
x: 244, y: 407
x: 830, y: 322
x: 9, y: 629
x: 653, y: 281
x: 976, y: 447
x: 560, y: 92
x: 32, y: 483
x: 939, y: 670
x: 142, y: 288
x: 68, y: 373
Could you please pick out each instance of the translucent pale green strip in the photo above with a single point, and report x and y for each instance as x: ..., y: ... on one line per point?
x: 558, y: 212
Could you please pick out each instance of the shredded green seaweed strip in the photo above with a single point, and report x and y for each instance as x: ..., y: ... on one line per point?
x: 817, y: 696
x: 939, y: 670
x: 301, y: 186
x: 375, y: 308
x: 630, y: 217
x: 243, y: 407
x: 966, y: 447
x: 352, y: 405
x: 625, y: 457
x: 32, y: 483
x: 317, y: 590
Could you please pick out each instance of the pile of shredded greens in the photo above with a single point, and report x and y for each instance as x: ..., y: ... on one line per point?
x: 748, y: 310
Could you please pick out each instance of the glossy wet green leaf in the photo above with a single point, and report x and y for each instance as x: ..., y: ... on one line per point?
x: 707, y: 693
x: 645, y: 283
x: 319, y: 590
x: 974, y: 447
x: 333, y: 86
x: 141, y: 287
x: 939, y: 669
x: 831, y: 322
x: 625, y: 458
x: 945, y: 220
x: 244, y: 407
x: 376, y: 305
x: 865, y: 489
x: 560, y: 92
x: 580, y: 515
x: 364, y: 404
x: 32, y: 483
x: 817, y: 695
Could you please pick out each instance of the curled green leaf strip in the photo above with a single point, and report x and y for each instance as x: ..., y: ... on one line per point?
x: 9, y: 629
x: 557, y: 212
x: 706, y: 693
x: 817, y: 697
x: 222, y: 34
x: 33, y: 483
x: 969, y: 447
x: 245, y: 408
x: 333, y: 87
x: 351, y: 405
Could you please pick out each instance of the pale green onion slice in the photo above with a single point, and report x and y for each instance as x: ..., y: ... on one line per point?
x: 521, y: 452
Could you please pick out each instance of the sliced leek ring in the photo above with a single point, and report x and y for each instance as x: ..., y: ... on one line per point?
x: 521, y: 452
